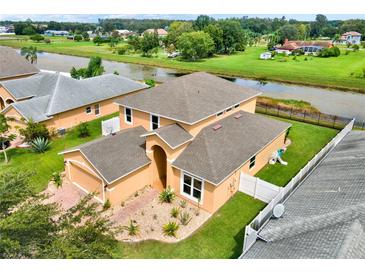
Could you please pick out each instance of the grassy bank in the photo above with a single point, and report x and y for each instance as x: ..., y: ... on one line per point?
x: 343, y: 72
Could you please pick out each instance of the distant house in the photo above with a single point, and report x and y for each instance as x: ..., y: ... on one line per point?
x: 61, y: 102
x: 160, y: 32
x: 265, y: 55
x: 56, y: 33
x: 124, y: 32
x: 350, y: 37
x: 308, y: 47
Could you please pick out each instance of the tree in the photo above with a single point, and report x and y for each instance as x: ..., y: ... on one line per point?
x: 30, y: 53
x: 93, y: 69
x: 234, y: 38
x: 33, y: 131
x: 135, y: 42
x: 85, y: 35
x: 202, y: 21
x: 77, y: 38
x: 195, y: 45
x: 5, y: 135
x: 318, y: 26
x: 216, y: 33
x: 176, y: 29
x: 287, y: 31
x: 29, y: 30
x: 37, y: 38
x: 148, y: 43
x: 97, y: 40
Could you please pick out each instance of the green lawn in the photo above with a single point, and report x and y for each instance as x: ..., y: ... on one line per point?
x: 343, y: 72
x: 220, y: 237
x: 307, y: 140
x: 43, y: 165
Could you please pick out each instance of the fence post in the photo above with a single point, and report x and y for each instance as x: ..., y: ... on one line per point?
x: 319, y: 118
x: 266, y: 108
x: 334, y: 121
x: 291, y: 112
x: 278, y: 111
x: 304, y: 115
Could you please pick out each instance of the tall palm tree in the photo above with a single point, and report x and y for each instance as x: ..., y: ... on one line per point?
x: 30, y: 53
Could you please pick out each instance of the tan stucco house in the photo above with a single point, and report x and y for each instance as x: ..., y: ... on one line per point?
x: 195, y: 134
x: 12, y: 66
x: 61, y: 102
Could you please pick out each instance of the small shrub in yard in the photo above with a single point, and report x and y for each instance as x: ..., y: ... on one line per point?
x: 132, y: 228
x: 167, y: 195
x: 185, y: 218
x: 83, y: 130
x: 183, y: 203
x: 150, y: 82
x: 107, y: 205
x: 40, y: 144
x: 174, y: 212
x: 34, y: 130
x: 57, y: 180
x: 170, y: 229
x: 155, y: 216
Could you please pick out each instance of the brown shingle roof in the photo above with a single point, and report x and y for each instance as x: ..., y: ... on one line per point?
x: 12, y: 64
x: 217, y: 152
x: 189, y: 98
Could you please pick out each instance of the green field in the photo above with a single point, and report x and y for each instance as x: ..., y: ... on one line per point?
x: 343, y: 72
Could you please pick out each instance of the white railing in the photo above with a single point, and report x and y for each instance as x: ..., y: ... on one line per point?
x: 264, y: 216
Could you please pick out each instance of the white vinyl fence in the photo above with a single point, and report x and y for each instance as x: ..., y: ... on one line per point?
x: 257, y: 188
x: 110, y: 126
x: 264, y: 216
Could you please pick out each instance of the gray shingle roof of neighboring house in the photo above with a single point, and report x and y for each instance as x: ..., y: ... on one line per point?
x: 189, y: 98
x: 325, y: 216
x: 116, y: 156
x: 12, y: 64
x: 215, y: 153
x: 52, y: 93
x: 173, y: 135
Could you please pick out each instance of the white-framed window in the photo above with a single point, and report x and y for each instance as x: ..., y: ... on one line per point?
x: 97, y: 109
x: 252, y: 162
x: 128, y: 116
x: 228, y: 109
x: 155, y: 122
x: 236, y: 106
x: 220, y: 113
x: 192, y: 187
x: 88, y: 110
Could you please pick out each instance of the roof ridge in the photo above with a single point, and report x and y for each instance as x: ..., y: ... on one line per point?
x: 51, y: 101
x: 308, y: 224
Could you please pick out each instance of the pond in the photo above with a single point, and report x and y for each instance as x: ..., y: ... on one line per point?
x: 335, y: 102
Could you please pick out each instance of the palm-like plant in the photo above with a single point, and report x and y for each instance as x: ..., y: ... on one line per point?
x: 170, y: 229
x: 167, y: 195
x: 40, y: 144
x: 132, y: 228
x: 30, y: 53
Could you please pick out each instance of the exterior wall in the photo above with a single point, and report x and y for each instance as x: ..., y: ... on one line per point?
x: 128, y: 186
x: 74, y: 117
x: 81, y: 172
x: 143, y: 118
x: 18, y: 121
x: 4, y: 96
x: 216, y: 196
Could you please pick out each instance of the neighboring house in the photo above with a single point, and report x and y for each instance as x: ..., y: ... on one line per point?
x: 265, y: 55
x: 160, y: 32
x: 56, y: 33
x: 308, y: 47
x: 351, y: 37
x: 325, y: 217
x: 61, y: 102
x: 124, y: 32
x: 12, y: 66
x: 195, y: 134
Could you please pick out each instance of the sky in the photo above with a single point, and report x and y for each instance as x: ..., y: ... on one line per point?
x: 93, y: 18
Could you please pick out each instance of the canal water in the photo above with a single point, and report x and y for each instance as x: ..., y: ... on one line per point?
x: 335, y: 102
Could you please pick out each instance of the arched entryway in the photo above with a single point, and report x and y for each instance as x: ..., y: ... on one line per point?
x: 159, y: 170
x: 9, y: 101
x: 2, y: 104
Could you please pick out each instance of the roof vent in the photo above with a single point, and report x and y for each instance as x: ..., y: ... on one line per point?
x: 217, y: 126
x: 278, y: 211
x: 238, y: 115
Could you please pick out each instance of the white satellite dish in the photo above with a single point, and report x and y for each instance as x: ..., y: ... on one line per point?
x: 278, y: 211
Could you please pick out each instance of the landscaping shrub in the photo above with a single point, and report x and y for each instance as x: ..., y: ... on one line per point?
x: 330, y: 52
x: 123, y: 49
x: 40, y: 144
x: 47, y: 41
x: 83, y: 130
x: 355, y: 47
x: 347, y: 52
x: 34, y: 130
x: 57, y: 180
x: 167, y: 195
x: 150, y: 82
x: 174, y: 212
x: 183, y: 203
x: 78, y: 38
x: 170, y: 229
x: 132, y: 228
x: 107, y: 205
x: 185, y: 218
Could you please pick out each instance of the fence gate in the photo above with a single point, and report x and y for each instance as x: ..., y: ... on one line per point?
x: 110, y: 126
